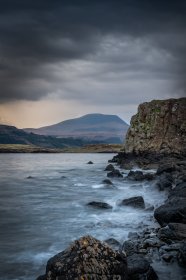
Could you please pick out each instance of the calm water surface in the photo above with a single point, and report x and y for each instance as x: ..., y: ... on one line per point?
x: 41, y: 215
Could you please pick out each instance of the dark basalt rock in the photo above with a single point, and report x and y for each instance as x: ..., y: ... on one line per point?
x: 182, y: 254
x: 136, y: 201
x: 139, y: 268
x: 115, y: 173
x: 135, y: 175
x: 109, y: 167
x: 173, y: 211
x: 99, y: 205
x: 130, y: 247
x: 165, y: 182
x: 139, y: 176
x: 168, y: 168
x: 90, y: 162
x: 87, y: 258
x: 113, y: 243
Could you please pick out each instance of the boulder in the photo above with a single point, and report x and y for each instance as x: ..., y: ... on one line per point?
x: 168, y: 168
x: 182, y: 254
x: 178, y: 191
x: 113, y: 243
x: 136, y: 201
x: 139, y: 268
x: 164, y: 182
x: 173, y: 211
x: 135, y: 175
x: 115, y: 173
x: 90, y: 162
x: 130, y: 247
x: 99, y: 205
x: 109, y: 167
x: 87, y: 258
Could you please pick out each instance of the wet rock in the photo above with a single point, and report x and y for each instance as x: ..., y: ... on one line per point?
x: 168, y: 168
x: 166, y: 234
x: 99, y: 205
x: 90, y: 162
x: 149, y: 208
x: 139, y: 268
x: 179, y: 230
x: 182, y: 254
x: 87, y: 258
x: 109, y: 167
x: 152, y: 242
x: 173, y: 231
x: 136, y: 201
x: 178, y: 191
x: 173, y: 211
x: 115, y: 173
x: 133, y: 235
x: 30, y: 177
x: 167, y: 257
x: 113, y: 243
x: 107, y: 182
x: 135, y: 175
x: 130, y: 247
x: 164, y: 182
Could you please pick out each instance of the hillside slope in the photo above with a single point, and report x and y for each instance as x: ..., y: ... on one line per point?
x: 13, y: 135
x: 92, y: 127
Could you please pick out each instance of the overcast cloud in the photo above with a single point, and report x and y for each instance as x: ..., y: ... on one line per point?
x: 108, y: 52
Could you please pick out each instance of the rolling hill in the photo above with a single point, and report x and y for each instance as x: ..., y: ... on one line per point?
x: 13, y: 135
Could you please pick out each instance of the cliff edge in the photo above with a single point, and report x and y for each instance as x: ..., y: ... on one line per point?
x: 159, y: 126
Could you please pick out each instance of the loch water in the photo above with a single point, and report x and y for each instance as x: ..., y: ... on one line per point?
x: 43, y: 208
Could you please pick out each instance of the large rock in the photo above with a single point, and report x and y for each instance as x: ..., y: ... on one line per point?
x: 173, y: 211
x: 87, y: 258
x: 136, y: 201
x: 159, y: 126
x: 173, y: 231
x: 109, y: 167
x: 139, y: 268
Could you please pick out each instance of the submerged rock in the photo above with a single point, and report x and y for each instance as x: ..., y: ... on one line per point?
x: 107, y: 182
x: 99, y: 205
x: 136, y: 201
x: 87, y: 258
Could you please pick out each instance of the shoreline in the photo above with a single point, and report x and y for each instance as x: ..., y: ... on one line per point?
x: 165, y: 243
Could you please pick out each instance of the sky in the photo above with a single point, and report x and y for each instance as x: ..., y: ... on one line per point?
x: 63, y: 59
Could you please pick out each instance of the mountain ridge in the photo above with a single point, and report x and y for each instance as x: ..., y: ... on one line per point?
x: 94, y: 126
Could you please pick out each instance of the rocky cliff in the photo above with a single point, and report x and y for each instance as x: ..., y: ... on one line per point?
x: 159, y: 126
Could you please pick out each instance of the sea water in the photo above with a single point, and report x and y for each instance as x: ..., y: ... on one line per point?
x: 43, y: 207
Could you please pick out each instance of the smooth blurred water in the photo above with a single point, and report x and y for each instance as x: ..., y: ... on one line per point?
x: 41, y: 215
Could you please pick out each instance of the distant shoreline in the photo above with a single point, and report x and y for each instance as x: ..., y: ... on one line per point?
x: 94, y: 148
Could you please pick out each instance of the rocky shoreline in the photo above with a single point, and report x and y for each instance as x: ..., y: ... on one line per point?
x: 165, y: 243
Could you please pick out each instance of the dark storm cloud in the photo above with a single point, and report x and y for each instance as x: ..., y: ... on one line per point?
x: 39, y: 39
